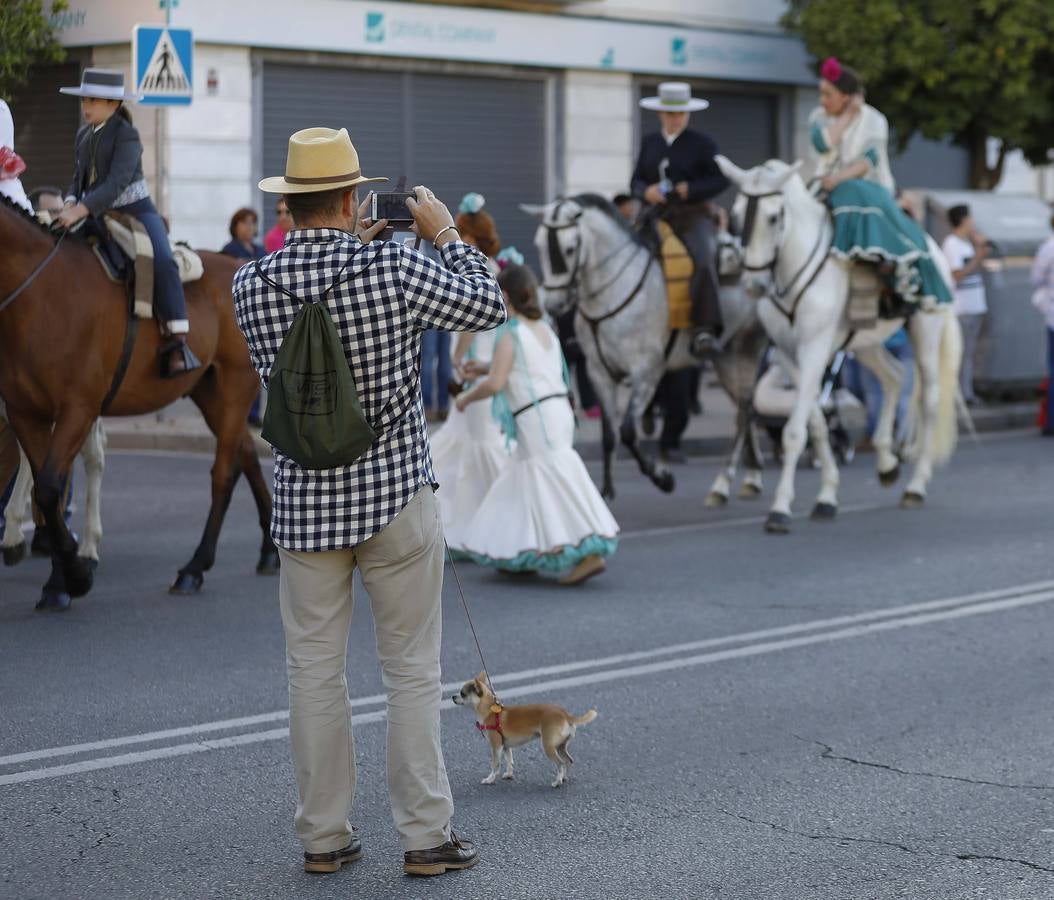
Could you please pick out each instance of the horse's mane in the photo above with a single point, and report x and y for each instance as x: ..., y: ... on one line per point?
x: 19, y: 210
x: 601, y: 203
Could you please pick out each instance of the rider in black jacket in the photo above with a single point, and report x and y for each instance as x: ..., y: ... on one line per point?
x: 676, y: 175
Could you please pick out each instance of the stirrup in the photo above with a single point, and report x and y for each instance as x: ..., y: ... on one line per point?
x: 703, y: 345
x: 190, y: 361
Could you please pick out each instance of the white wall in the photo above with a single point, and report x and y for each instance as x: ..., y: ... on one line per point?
x: 210, y: 149
x: 598, y: 116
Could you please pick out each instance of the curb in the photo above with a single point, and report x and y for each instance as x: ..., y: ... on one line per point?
x: 1003, y: 418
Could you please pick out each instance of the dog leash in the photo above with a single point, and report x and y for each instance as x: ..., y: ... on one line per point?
x: 471, y: 625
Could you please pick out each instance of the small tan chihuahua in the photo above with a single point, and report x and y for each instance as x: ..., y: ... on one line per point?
x: 512, y: 726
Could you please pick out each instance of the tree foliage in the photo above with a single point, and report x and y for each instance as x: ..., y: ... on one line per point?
x: 968, y: 69
x: 27, y: 37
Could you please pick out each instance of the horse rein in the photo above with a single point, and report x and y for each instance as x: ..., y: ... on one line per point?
x: 780, y: 294
x: 14, y: 295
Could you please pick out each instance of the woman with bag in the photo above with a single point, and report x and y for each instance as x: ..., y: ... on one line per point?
x: 1043, y: 300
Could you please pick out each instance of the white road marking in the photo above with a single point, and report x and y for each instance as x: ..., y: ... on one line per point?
x: 920, y: 614
x: 557, y: 669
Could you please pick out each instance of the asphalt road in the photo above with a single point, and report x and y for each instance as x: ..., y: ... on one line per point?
x: 859, y: 710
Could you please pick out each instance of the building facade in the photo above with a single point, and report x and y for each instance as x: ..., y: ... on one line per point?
x: 519, y: 101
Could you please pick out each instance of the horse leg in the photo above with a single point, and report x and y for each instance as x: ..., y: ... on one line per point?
x: 826, y: 507
x: 722, y: 486
x: 642, y: 389
x: 250, y: 465
x: 752, y: 481
x: 14, y: 540
x: 890, y: 374
x: 51, y: 454
x: 94, y: 455
x: 228, y: 422
x: 812, y: 360
x: 926, y: 337
x: 607, y: 394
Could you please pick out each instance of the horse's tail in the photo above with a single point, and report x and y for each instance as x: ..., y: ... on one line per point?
x: 946, y: 428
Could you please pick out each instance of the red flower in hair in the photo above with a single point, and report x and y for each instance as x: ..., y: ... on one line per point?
x: 11, y: 164
x: 831, y: 69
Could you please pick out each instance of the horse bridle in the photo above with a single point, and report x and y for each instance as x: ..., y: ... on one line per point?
x: 558, y: 266
x: 781, y: 293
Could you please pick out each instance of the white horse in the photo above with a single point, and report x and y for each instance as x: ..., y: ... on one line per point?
x: 805, y: 289
x: 591, y: 259
x: 93, y: 453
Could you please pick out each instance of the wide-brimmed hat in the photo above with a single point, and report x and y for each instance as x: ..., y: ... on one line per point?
x: 319, y: 159
x: 103, y: 84
x: 674, y: 96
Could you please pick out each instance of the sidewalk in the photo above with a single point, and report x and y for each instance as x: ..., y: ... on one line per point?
x: 180, y: 427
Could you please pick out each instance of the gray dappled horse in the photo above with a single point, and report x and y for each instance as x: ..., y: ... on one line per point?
x: 593, y: 261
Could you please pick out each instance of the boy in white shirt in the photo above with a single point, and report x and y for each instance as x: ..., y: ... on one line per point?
x: 966, y: 250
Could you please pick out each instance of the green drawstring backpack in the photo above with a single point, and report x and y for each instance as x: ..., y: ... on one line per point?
x: 313, y: 412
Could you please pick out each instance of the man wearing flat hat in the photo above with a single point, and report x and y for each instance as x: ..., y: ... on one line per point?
x: 676, y: 175
x: 378, y: 514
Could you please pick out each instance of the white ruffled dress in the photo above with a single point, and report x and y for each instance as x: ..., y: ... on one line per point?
x: 543, y: 513
x: 468, y: 454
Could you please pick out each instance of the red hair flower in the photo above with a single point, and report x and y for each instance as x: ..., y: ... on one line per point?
x: 831, y: 69
x: 11, y: 164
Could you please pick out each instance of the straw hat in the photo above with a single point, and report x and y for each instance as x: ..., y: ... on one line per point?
x: 319, y: 159
x: 102, y: 84
x: 674, y: 96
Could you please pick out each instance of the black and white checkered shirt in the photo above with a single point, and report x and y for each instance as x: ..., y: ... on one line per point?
x: 390, y: 295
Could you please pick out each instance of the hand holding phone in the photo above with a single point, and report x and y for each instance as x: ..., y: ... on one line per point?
x: 431, y: 217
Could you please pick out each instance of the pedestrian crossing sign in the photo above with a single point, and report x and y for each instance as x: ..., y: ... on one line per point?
x: 163, y: 63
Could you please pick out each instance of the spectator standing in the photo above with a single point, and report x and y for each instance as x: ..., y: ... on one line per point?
x: 377, y: 514
x: 966, y: 250
x: 1043, y: 300
x: 244, y: 229
x: 275, y: 238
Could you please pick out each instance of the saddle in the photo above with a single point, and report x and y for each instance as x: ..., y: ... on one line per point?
x: 677, y: 267
x: 871, y: 297
x: 122, y: 247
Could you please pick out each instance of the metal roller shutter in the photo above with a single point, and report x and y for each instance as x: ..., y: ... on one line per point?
x: 744, y: 125
x: 46, y: 125
x: 455, y: 133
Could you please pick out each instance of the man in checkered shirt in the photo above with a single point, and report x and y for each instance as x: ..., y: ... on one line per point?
x: 378, y: 514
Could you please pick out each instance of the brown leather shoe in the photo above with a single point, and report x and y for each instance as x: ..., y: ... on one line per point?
x: 331, y: 862
x: 454, y: 854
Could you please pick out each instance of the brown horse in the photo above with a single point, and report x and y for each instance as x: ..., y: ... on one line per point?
x: 61, y: 343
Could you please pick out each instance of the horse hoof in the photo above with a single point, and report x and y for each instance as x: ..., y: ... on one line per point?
x: 890, y: 478
x: 187, y: 583
x: 79, y: 575
x: 665, y: 482
x: 269, y: 563
x: 912, y: 500
x: 14, y: 555
x: 53, y: 601
x: 715, y: 499
x: 748, y: 491
x: 778, y: 523
x: 824, y: 512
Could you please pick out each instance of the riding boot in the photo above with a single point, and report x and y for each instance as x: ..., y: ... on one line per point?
x: 177, y: 358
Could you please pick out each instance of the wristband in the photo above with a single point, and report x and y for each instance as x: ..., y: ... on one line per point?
x: 435, y: 240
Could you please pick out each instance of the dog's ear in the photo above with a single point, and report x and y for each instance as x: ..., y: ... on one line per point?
x: 481, y: 680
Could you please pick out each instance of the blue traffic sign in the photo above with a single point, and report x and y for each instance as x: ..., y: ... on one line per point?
x: 163, y: 64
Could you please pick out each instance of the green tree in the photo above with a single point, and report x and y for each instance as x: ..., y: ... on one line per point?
x: 973, y: 70
x: 26, y: 37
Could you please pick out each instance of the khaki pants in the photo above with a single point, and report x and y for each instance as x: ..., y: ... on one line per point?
x: 402, y: 570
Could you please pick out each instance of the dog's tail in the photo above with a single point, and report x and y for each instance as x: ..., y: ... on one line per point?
x: 584, y: 719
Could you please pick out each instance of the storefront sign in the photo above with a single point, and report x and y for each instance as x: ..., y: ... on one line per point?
x: 467, y: 33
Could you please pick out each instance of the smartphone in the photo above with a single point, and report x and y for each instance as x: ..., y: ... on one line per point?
x: 392, y: 206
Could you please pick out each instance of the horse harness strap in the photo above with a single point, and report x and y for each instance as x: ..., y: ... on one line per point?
x: 131, y: 329
x: 16, y: 293
x: 595, y: 322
